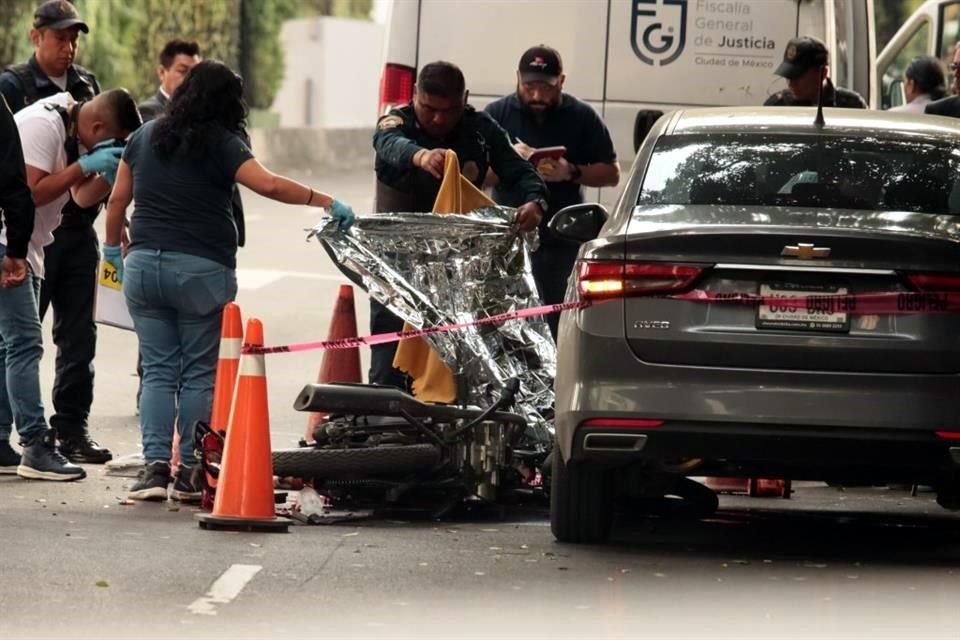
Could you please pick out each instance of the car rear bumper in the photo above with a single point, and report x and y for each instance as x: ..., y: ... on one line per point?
x: 783, y: 418
x: 799, y: 452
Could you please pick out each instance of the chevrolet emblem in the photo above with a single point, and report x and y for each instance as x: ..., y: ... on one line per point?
x: 805, y: 251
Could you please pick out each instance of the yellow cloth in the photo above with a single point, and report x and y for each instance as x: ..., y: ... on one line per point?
x: 432, y: 379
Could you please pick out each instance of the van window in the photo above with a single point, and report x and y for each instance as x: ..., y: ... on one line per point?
x: 836, y: 172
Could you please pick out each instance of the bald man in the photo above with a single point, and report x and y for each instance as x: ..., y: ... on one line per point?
x: 70, y: 151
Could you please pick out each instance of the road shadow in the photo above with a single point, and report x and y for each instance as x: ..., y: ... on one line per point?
x: 768, y: 532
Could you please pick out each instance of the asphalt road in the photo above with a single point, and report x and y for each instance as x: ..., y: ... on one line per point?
x: 74, y: 560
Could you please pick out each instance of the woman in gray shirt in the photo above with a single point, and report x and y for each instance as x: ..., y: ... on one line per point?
x: 180, y: 268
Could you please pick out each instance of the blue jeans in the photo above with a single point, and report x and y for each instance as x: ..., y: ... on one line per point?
x: 21, y: 347
x: 176, y: 301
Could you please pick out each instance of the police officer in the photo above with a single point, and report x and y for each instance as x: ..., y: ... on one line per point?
x: 411, y: 144
x: 805, y: 68
x: 539, y: 114
x: 71, y: 261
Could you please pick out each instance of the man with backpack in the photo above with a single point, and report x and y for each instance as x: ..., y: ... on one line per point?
x: 70, y: 151
x: 72, y: 260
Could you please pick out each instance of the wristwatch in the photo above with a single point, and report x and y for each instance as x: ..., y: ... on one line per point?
x: 542, y: 203
x: 575, y: 172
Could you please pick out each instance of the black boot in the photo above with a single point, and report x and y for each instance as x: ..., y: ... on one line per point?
x: 81, y: 448
x: 41, y: 460
x: 152, y: 482
x: 186, y: 484
x: 9, y: 459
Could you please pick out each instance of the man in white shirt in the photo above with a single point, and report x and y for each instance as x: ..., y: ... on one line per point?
x: 51, y: 131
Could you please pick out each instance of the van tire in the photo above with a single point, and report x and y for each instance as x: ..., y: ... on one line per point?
x: 581, y: 502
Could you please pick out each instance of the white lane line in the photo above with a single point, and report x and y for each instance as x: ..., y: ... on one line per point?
x: 258, y: 278
x: 227, y: 587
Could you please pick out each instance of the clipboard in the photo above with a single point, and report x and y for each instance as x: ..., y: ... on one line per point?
x: 111, y: 307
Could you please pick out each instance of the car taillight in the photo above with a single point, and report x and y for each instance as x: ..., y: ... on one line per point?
x: 598, y: 280
x: 940, y: 282
x: 948, y: 435
x: 396, y: 86
x: 623, y: 423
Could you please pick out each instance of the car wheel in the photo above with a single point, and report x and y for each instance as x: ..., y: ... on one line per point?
x: 581, y: 502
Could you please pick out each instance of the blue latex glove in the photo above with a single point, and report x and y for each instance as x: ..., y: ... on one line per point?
x: 100, y: 160
x: 114, y: 255
x: 342, y: 213
x: 110, y: 176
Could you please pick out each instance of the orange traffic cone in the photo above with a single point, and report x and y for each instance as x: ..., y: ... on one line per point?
x: 231, y: 341
x: 338, y: 365
x: 245, y: 489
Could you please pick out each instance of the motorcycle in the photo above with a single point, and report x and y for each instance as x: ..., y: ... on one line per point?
x: 382, y: 448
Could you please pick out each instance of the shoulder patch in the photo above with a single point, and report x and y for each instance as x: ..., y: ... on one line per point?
x: 390, y: 122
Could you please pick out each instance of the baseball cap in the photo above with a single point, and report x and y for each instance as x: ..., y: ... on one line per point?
x: 58, y: 14
x: 802, y: 53
x: 540, y: 64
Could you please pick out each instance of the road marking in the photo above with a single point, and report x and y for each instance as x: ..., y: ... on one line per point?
x: 227, y: 587
x: 248, y: 279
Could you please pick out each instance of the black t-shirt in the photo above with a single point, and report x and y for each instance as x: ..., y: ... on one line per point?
x: 573, y: 124
x: 183, y: 203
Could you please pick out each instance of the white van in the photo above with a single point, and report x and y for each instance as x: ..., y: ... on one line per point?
x: 625, y: 57
x: 933, y: 29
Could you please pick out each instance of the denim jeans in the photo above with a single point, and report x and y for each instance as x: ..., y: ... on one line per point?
x: 21, y: 347
x: 176, y: 301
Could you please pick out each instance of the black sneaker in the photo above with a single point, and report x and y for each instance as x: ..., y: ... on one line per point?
x: 151, y: 482
x: 186, y: 484
x: 80, y: 448
x: 40, y: 460
x: 9, y: 459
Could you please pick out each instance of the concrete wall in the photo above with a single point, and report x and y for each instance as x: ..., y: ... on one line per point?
x: 314, y: 150
x: 332, y: 73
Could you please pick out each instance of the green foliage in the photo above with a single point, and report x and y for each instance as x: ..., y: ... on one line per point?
x: 357, y: 9
x: 890, y: 15
x: 125, y: 38
x: 15, y: 17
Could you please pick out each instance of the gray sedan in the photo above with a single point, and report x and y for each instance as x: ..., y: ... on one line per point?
x: 770, y: 297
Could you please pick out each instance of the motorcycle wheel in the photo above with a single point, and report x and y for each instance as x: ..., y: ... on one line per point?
x: 336, y: 464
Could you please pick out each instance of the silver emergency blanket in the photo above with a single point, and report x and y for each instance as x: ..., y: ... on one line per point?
x: 434, y: 270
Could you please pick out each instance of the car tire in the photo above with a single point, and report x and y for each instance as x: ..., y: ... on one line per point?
x: 581, y: 502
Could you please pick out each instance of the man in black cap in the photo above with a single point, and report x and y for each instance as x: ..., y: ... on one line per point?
x: 539, y: 114
x: 807, y: 73
x: 72, y: 260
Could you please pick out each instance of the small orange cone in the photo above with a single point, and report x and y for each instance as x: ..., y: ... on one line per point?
x: 338, y: 365
x: 231, y: 341
x: 245, y: 489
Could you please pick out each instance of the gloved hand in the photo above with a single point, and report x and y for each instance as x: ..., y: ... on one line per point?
x: 114, y: 255
x: 100, y: 160
x: 342, y: 213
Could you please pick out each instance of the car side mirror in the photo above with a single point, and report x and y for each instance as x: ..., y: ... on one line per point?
x: 579, y: 222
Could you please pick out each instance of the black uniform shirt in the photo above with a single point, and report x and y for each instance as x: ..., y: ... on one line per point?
x: 832, y: 97
x: 572, y: 124
x: 478, y: 141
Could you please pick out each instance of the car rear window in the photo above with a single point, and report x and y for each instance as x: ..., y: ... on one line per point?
x: 837, y: 172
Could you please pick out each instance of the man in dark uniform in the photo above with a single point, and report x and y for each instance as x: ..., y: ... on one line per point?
x: 72, y: 260
x: 805, y: 68
x: 411, y: 144
x: 539, y: 114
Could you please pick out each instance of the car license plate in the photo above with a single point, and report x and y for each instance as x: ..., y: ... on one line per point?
x: 805, y: 308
